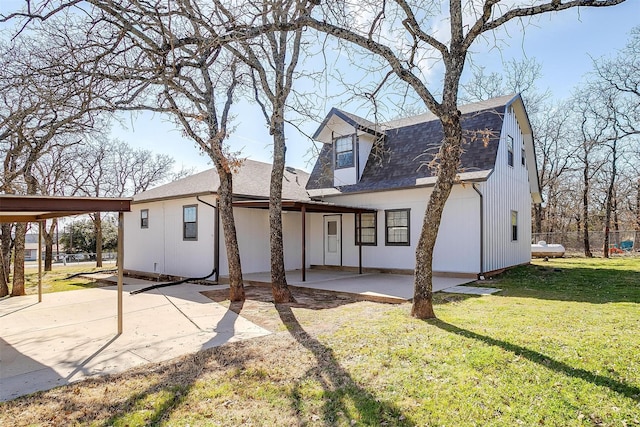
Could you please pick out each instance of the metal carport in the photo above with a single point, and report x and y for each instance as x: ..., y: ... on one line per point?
x: 14, y: 208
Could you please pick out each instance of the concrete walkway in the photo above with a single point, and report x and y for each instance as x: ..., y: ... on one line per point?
x: 372, y: 286
x: 72, y: 335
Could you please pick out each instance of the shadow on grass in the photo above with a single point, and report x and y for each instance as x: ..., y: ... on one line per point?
x: 341, y: 394
x: 570, y: 283
x: 160, y: 398
x: 626, y: 390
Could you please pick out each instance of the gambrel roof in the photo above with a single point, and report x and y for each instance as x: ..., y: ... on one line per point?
x: 409, y: 145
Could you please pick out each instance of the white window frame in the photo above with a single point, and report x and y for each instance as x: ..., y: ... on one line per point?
x: 185, y: 222
x: 349, y: 139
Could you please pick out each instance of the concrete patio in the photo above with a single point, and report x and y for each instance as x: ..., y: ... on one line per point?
x: 393, y: 288
x: 72, y: 335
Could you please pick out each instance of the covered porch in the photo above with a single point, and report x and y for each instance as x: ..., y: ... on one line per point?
x: 311, y: 207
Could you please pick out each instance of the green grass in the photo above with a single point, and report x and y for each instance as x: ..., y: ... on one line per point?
x: 559, y: 346
x: 58, y: 279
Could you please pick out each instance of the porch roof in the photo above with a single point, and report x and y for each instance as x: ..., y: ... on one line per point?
x: 307, y: 206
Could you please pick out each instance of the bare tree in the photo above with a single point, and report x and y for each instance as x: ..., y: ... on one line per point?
x: 272, y: 58
x: 465, y: 25
x: 42, y: 106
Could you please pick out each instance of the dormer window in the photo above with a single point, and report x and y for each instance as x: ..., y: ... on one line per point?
x: 343, y: 148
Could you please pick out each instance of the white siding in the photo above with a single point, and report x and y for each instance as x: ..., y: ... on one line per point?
x: 160, y: 248
x: 252, y: 229
x: 365, y: 144
x: 457, y: 248
x: 506, y: 190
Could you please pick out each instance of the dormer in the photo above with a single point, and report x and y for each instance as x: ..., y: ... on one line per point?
x: 350, y: 139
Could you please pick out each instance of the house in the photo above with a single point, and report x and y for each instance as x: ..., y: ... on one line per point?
x: 171, y: 229
x: 371, y: 182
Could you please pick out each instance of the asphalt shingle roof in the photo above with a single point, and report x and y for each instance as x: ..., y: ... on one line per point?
x: 252, y: 180
x: 410, y: 144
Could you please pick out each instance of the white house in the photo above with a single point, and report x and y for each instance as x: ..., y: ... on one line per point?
x: 369, y: 174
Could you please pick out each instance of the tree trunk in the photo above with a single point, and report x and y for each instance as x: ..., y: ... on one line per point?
x: 636, y: 240
x: 48, y: 244
x: 279, y: 288
x: 538, y: 212
x: 18, y: 260
x: 609, y: 200
x: 449, y: 158
x: 225, y: 197
x: 97, y: 222
x: 5, y: 258
x: 585, y: 211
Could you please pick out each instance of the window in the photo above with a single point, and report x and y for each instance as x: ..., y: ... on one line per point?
x: 397, y: 227
x: 190, y: 222
x: 368, y: 229
x: 510, y: 150
x: 144, y: 218
x: 522, y: 157
x: 344, y: 152
x: 514, y: 226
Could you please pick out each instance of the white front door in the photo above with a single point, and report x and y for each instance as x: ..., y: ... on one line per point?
x: 332, y: 240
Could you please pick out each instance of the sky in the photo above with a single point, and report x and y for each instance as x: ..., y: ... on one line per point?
x: 563, y: 43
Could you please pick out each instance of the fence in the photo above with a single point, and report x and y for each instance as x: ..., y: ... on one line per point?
x: 573, y: 241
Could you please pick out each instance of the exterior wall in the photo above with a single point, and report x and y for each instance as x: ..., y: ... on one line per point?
x: 252, y: 229
x: 457, y: 247
x: 365, y: 144
x: 160, y: 248
x: 506, y: 190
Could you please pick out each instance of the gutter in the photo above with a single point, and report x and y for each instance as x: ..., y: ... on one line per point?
x: 481, y: 274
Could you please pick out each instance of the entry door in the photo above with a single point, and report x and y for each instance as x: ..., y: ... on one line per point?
x: 332, y: 240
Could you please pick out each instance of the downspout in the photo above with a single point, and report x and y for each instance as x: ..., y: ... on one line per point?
x: 216, y: 231
x: 481, y: 274
x: 216, y: 258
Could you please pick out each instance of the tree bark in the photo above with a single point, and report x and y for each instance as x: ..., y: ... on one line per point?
x: 225, y: 197
x: 5, y: 258
x: 585, y: 210
x: 636, y: 240
x: 279, y: 288
x: 449, y: 155
x: 609, y: 199
x: 97, y: 222
x: 48, y: 244
x: 18, y: 260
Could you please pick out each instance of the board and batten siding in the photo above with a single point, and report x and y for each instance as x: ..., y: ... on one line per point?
x: 160, y: 248
x: 507, y: 190
x: 457, y: 247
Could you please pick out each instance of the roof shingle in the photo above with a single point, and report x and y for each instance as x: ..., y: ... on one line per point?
x: 410, y: 145
x: 252, y: 180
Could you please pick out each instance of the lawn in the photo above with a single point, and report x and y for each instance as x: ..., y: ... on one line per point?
x: 62, y: 278
x: 559, y: 346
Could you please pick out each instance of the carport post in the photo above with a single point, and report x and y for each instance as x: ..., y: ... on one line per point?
x: 39, y: 261
x: 120, y: 261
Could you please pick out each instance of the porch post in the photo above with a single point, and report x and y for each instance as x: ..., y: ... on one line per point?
x: 360, y: 243
x: 39, y: 261
x: 120, y: 261
x: 303, y: 212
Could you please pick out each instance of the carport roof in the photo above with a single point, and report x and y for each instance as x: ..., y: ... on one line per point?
x: 15, y: 208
